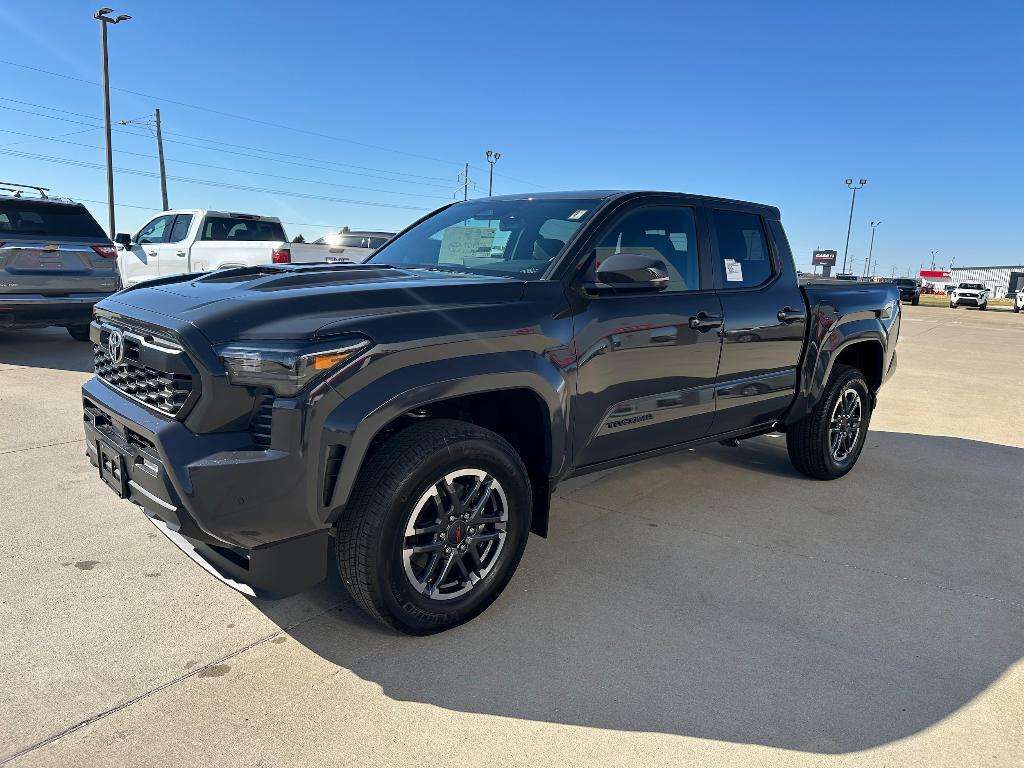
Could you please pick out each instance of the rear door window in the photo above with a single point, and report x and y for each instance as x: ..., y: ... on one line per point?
x: 231, y: 229
x: 744, y: 259
x: 27, y: 218
x: 180, y: 229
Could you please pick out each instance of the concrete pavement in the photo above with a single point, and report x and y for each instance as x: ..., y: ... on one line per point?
x: 709, y: 607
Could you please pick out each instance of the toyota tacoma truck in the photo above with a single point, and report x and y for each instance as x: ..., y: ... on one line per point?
x: 414, y: 414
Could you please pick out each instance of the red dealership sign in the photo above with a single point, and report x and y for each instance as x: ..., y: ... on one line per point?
x: 935, y: 274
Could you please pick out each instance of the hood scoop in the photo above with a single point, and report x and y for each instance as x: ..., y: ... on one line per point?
x: 272, y: 277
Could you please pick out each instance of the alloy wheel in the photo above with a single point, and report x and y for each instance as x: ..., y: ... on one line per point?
x: 455, y: 533
x: 845, y: 424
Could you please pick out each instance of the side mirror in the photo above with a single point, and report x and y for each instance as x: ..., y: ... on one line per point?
x: 629, y: 273
x: 122, y: 239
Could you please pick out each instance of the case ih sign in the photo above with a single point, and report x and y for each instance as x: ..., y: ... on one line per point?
x: 824, y: 258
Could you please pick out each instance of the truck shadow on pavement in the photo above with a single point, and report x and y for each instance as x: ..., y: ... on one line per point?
x: 717, y: 594
x: 44, y: 348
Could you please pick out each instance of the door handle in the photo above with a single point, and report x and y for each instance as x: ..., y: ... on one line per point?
x: 152, y: 253
x: 790, y: 315
x: 702, y: 321
x: 180, y: 253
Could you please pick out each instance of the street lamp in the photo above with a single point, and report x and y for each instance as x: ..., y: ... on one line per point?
x: 492, y: 158
x: 859, y: 185
x: 104, y: 19
x: 871, y: 250
x: 933, y: 259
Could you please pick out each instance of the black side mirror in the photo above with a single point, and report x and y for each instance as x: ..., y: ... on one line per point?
x: 629, y: 273
x: 122, y: 239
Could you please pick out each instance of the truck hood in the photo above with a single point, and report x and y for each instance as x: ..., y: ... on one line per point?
x: 277, y: 302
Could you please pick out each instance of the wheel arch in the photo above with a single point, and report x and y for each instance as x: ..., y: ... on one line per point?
x: 525, y: 406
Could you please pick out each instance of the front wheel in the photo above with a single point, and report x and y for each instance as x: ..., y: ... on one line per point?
x: 827, y: 442
x: 436, y: 525
x: 1016, y: 308
x: 952, y: 305
x: 984, y: 306
x: 78, y: 332
x: 915, y: 301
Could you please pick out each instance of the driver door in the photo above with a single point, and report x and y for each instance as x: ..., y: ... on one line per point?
x: 141, y: 261
x: 646, y: 375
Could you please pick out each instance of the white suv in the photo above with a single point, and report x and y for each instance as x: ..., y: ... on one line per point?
x: 969, y: 295
x: 1018, y: 301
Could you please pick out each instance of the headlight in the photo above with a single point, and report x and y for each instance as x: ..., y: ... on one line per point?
x: 283, y: 366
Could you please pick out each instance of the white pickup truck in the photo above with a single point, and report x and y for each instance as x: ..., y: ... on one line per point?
x: 190, y: 240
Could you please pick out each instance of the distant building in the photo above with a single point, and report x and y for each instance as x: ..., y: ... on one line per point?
x: 1002, y: 281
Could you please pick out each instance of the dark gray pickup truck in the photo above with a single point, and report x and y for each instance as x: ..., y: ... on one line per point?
x: 414, y: 413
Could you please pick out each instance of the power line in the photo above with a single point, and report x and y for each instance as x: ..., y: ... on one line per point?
x: 247, y: 153
x: 222, y: 113
x: 209, y: 182
x: 225, y: 168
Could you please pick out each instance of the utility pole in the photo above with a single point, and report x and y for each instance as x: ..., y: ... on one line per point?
x: 849, y: 183
x: 492, y: 158
x: 894, y: 273
x: 464, y: 175
x: 163, y: 170
x: 104, y: 20
x: 150, y: 123
x: 871, y: 250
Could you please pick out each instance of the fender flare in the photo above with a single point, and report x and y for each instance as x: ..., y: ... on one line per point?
x: 359, y: 419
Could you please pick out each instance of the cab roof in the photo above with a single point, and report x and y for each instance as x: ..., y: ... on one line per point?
x: 607, y: 194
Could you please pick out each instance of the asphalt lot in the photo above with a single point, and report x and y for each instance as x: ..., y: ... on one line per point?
x: 710, y: 607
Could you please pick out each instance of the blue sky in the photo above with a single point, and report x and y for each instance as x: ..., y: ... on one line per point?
x: 382, y: 103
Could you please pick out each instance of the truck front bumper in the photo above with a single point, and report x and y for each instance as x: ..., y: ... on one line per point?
x: 234, y: 509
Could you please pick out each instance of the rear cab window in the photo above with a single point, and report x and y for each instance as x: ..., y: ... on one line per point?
x: 32, y: 218
x: 232, y: 229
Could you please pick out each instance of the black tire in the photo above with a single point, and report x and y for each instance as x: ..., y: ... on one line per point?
x: 983, y: 307
x: 808, y: 441
x: 1015, y: 307
x: 78, y: 332
x: 372, y: 532
x: 915, y: 301
x: 952, y: 305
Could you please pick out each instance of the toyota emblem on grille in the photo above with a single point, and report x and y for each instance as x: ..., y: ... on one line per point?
x: 115, y: 347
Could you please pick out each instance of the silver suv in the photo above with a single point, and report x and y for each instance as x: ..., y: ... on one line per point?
x: 55, y: 263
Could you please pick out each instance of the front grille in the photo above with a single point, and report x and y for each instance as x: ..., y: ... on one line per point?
x: 152, y: 371
x: 259, y: 426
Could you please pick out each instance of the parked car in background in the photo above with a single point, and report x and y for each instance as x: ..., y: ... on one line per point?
x: 191, y: 240
x: 910, y: 289
x: 353, y: 246
x: 1018, y: 301
x: 415, y: 413
x: 845, y: 276
x: 55, y: 264
x: 970, y: 295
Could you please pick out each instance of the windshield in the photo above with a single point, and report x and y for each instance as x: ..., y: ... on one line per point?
x: 514, y: 238
x: 907, y: 283
x: 972, y: 286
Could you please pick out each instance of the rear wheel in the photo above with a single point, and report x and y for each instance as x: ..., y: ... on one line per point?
x: 952, y: 305
x: 915, y: 301
x: 78, y: 332
x: 1016, y: 308
x: 436, y: 526
x: 827, y: 442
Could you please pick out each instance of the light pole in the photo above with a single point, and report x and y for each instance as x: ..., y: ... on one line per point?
x: 871, y: 250
x: 104, y: 19
x: 933, y: 259
x: 492, y: 158
x: 859, y: 185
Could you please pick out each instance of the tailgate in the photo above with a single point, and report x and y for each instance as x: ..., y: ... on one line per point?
x: 55, y: 269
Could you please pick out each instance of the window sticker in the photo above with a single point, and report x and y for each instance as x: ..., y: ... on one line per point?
x: 577, y: 214
x: 461, y: 243
x: 733, y: 271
